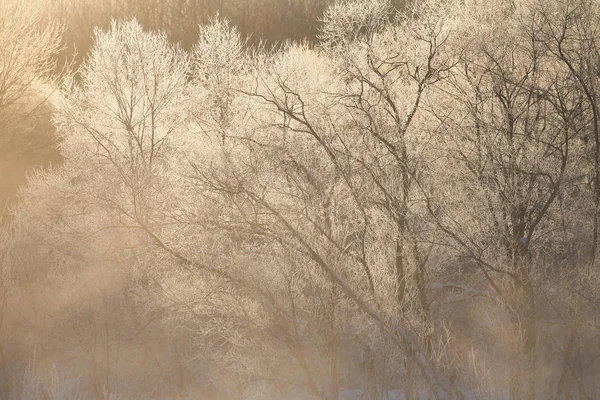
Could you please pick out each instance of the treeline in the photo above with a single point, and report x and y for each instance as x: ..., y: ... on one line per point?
x: 267, y: 21
x: 410, y: 207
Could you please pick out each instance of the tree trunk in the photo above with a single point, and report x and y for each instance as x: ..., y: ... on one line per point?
x: 523, y: 363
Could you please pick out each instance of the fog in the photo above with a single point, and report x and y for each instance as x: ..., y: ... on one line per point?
x: 285, y: 200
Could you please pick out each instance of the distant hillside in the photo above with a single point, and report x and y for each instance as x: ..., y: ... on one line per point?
x: 266, y: 21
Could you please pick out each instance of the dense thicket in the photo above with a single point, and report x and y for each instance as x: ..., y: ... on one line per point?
x: 409, y: 208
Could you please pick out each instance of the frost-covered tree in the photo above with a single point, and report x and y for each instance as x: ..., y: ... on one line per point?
x: 508, y: 153
x: 116, y: 133
x: 122, y: 122
x: 326, y: 165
